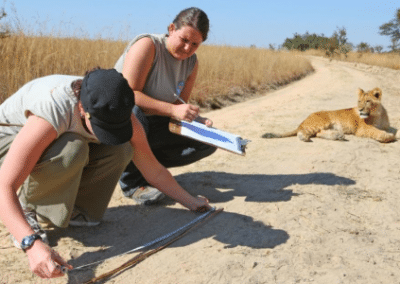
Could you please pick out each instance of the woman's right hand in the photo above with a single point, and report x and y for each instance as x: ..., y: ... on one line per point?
x: 199, y: 204
x: 45, y: 262
x: 185, y: 112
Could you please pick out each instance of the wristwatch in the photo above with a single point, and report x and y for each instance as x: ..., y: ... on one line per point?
x: 28, y: 241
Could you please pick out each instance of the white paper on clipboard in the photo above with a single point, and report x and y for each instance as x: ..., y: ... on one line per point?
x: 209, y: 135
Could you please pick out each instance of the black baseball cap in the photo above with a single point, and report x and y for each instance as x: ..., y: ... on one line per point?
x: 108, y: 100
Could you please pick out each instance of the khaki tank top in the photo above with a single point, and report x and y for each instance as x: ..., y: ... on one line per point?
x: 167, y: 75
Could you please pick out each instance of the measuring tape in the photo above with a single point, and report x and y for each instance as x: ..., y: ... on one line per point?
x: 149, y: 244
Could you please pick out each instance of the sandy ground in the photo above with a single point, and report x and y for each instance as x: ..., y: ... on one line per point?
x: 294, y: 212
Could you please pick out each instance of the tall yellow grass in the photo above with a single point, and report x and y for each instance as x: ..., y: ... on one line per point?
x: 388, y: 60
x: 224, y: 70
x: 23, y: 58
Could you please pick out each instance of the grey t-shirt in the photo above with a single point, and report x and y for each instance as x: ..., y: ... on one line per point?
x: 50, y: 98
x: 167, y: 76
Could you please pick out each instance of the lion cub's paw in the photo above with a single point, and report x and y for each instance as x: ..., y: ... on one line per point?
x: 303, y: 137
x: 387, y: 137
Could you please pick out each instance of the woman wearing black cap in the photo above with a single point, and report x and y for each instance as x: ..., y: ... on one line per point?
x: 75, y: 141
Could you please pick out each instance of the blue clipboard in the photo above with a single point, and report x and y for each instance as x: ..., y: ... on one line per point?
x: 209, y: 135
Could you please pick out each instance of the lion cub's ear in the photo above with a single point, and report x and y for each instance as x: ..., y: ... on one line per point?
x: 360, y: 91
x: 377, y: 93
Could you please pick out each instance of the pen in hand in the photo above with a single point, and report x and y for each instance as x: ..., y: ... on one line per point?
x: 182, y: 101
x: 179, y: 98
x: 196, y: 119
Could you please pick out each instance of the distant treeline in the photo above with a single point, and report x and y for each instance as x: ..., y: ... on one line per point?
x: 309, y: 41
x: 337, y: 43
x: 334, y: 44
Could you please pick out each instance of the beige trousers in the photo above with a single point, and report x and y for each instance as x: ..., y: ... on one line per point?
x: 72, y: 172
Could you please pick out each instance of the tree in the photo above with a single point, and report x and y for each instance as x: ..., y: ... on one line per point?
x: 4, y: 30
x: 392, y: 29
x: 331, y: 45
x: 343, y: 47
x: 336, y: 44
x: 363, y: 47
x: 341, y: 35
x: 379, y: 48
x: 304, y: 42
x: 271, y: 46
x: 395, y: 45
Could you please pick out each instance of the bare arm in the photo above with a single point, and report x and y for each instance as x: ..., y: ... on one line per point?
x: 25, y: 151
x: 157, y: 175
x: 185, y: 95
x: 187, y: 90
x: 137, y: 65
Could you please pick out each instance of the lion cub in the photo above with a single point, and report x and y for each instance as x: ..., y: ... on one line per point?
x: 369, y: 119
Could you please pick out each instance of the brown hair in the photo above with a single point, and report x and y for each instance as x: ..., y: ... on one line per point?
x: 194, y: 17
x: 77, y: 84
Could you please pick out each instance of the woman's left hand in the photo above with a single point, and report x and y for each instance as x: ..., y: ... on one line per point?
x: 208, y: 122
x: 205, y: 121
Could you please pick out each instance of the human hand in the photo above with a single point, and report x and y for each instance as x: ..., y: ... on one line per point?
x: 206, y: 121
x: 200, y: 204
x: 45, y: 262
x: 185, y: 112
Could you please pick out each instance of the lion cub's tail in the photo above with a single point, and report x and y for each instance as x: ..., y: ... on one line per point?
x: 274, y: 135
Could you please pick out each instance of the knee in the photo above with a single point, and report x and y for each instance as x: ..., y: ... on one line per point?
x: 206, y: 150
x: 123, y: 154
x: 126, y: 152
x: 67, y: 151
x: 211, y: 150
x: 76, y: 149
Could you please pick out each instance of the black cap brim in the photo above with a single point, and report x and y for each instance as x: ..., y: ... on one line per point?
x: 113, y: 136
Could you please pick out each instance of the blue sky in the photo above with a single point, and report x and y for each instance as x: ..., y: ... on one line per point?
x: 235, y: 23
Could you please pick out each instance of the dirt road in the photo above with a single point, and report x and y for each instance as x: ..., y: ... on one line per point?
x: 294, y: 212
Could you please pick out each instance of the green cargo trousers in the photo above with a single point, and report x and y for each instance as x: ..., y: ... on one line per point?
x: 72, y: 173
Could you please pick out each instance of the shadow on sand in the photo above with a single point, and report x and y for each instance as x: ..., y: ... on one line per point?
x: 127, y: 227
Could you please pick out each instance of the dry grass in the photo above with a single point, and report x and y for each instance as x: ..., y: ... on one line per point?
x: 23, y: 58
x: 228, y: 71
x: 224, y: 71
x: 388, y: 60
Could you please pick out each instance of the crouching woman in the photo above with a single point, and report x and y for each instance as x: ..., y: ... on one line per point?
x: 66, y: 142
